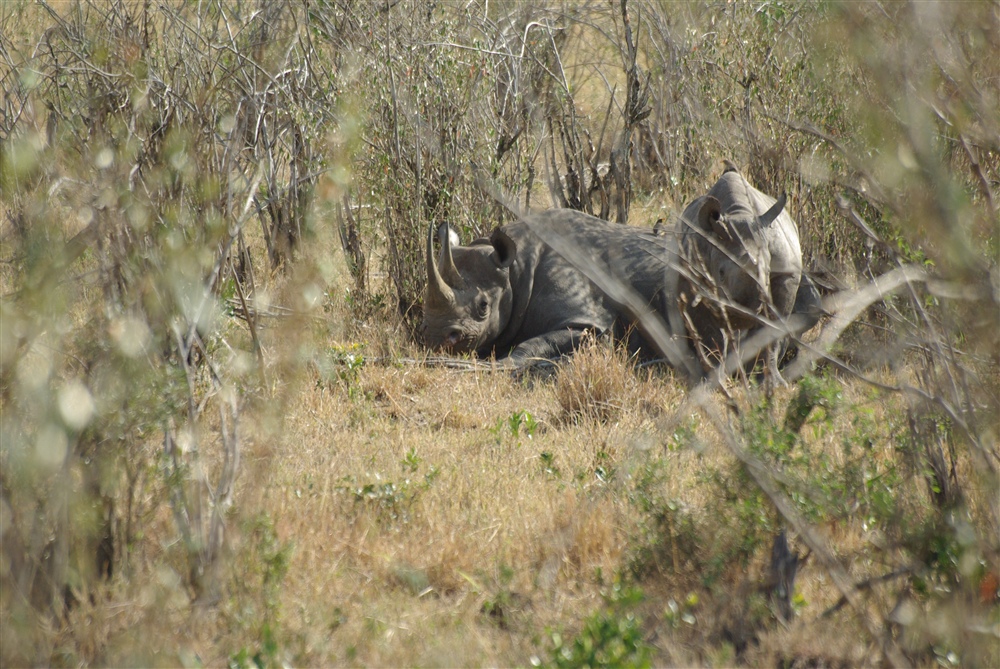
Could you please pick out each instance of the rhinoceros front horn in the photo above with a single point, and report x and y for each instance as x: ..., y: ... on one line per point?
x: 768, y: 217
x: 439, y: 293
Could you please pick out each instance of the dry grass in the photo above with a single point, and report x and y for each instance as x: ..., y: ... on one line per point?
x: 596, y: 384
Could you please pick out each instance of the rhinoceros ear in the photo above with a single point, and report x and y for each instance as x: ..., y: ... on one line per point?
x: 504, y: 248
x: 768, y: 217
x: 710, y: 217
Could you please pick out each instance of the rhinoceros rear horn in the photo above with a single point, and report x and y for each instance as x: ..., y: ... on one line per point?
x: 504, y: 248
x: 438, y: 292
x: 446, y: 263
x: 768, y: 217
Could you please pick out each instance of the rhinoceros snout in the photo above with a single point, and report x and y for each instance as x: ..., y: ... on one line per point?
x: 452, y: 340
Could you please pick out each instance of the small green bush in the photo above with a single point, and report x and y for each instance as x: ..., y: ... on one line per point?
x: 610, y: 638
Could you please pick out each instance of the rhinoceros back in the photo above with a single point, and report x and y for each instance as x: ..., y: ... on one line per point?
x: 550, y: 285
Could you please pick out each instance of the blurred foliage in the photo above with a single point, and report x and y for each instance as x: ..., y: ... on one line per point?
x: 137, y: 144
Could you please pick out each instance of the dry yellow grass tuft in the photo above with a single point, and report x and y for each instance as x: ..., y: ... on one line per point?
x: 598, y: 383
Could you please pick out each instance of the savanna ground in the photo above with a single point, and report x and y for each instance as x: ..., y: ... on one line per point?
x: 221, y: 444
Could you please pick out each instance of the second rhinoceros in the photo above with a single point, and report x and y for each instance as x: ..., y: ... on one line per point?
x: 741, y: 264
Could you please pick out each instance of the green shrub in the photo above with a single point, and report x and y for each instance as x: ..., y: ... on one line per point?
x: 611, y: 637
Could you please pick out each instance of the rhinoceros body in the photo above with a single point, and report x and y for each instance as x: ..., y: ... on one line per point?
x: 537, y: 285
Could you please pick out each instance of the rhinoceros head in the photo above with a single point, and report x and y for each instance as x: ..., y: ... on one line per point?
x: 733, y: 246
x: 468, y: 298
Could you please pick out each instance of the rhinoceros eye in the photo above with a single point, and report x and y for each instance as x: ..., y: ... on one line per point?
x: 482, y: 307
